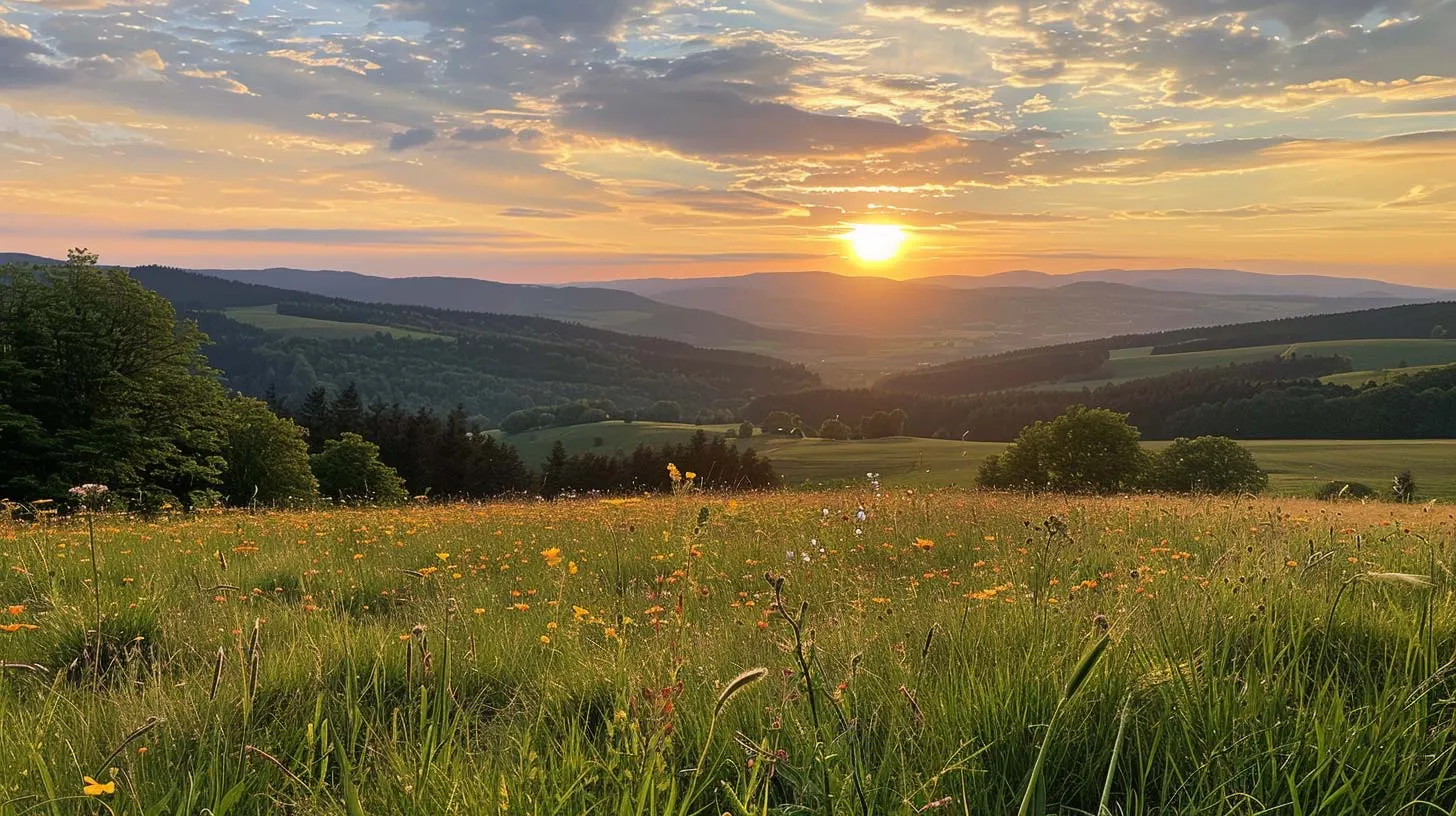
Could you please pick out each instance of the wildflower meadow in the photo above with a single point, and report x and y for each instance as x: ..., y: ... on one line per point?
x: 862, y: 651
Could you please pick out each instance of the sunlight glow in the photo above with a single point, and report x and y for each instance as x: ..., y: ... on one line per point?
x: 876, y: 243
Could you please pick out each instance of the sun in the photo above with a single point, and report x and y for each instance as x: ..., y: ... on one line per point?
x: 875, y: 243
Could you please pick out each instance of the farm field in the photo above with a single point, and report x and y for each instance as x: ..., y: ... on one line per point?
x: 1365, y: 355
x: 581, y: 656
x: 1296, y: 467
x: 268, y: 319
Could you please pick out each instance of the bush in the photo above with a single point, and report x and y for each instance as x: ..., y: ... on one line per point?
x: 1344, y: 490
x: 349, y: 470
x: 267, y: 457
x: 745, y: 430
x: 834, y: 429
x: 1208, y: 464
x: 1082, y: 451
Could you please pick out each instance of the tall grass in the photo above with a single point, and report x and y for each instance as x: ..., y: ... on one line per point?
x: 963, y: 654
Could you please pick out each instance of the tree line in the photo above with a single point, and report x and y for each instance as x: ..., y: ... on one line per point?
x: 1281, y: 398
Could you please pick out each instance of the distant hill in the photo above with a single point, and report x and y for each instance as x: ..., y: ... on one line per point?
x: 420, y: 357
x: 611, y: 309
x: 1202, y: 281
x: 1422, y: 324
x: 26, y: 260
x: 1000, y: 317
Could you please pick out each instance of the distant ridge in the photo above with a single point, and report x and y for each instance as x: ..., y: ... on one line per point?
x: 1202, y: 281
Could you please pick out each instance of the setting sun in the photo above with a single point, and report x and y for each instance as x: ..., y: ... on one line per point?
x: 875, y: 242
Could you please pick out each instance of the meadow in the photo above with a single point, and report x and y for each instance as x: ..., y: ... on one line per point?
x: 1368, y: 358
x: 268, y: 319
x: 1297, y: 468
x: 868, y: 650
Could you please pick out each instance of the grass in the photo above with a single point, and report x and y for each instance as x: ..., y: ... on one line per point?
x: 1296, y: 467
x: 535, y: 446
x: 1381, y: 376
x: 268, y: 319
x: 1126, y: 365
x: 948, y: 652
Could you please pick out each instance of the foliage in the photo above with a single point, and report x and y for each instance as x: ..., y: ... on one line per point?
x: 267, y: 457
x: 1208, y: 464
x: 781, y: 422
x: 1344, y: 490
x: 834, y: 429
x: 1164, y: 407
x: 883, y: 424
x: 1082, y: 451
x: 99, y: 382
x: 441, y: 457
x: 1015, y: 369
x: 349, y: 470
x: 491, y: 364
x: 717, y: 465
x: 578, y: 412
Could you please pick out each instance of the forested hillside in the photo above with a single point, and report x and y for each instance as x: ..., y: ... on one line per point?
x: 1050, y: 364
x: 491, y: 364
x: 1279, y: 398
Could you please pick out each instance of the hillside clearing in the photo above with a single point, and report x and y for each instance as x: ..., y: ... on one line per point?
x: 268, y: 319
x: 1130, y: 364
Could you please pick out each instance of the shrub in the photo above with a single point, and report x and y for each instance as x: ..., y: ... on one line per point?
x: 1208, y: 464
x: 267, y: 457
x: 834, y: 429
x: 349, y: 470
x: 1344, y: 490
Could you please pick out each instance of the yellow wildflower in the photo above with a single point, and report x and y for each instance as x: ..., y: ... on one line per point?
x: 94, y: 788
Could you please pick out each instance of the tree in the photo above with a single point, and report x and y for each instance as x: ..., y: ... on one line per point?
x: 780, y: 422
x: 663, y: 411
x: 745, y: 430
x: 883, y: 424
x: 267, y: 457
x: 348, y: 470
x: 1082, y: 451
x: 1438, y: 332
x: 1208, y: 464
x: 100, y: 382
x: 553, y: 474
x: 834, y: 429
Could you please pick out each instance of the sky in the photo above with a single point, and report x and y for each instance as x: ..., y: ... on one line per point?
x: 556, y: 140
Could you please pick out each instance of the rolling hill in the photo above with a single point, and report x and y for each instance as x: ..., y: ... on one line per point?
x: 1203, y: 281
x: 267, y: 338
x: 610, y: 309
x: 993, y: 318
x: 1373, y: 338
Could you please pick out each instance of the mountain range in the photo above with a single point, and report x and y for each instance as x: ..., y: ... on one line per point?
x: 855, y: 329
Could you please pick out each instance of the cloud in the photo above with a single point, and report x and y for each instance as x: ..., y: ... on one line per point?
x: 414, y: 137
x: 719, y: 121
x: 527, y: 212
x: 23, y: 62
x: 546, y: 19
x: 343, y: 237
x: 485, y: 133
